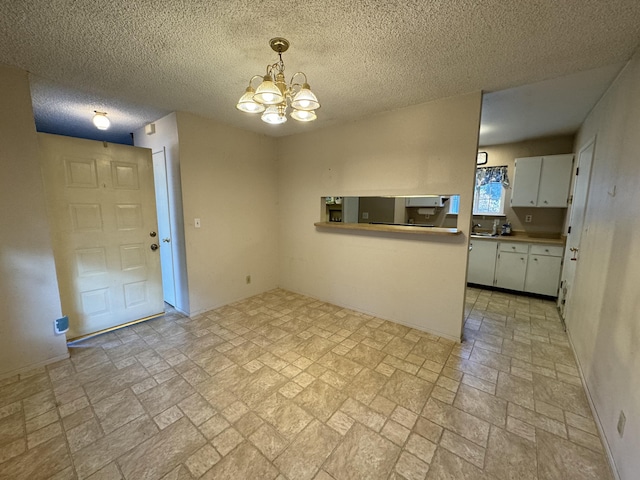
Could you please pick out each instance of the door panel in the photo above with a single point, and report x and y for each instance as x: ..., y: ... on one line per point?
x: 102, y: 208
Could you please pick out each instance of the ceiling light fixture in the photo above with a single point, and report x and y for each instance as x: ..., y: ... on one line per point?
x: 100, y: 120
x: 273, y: 97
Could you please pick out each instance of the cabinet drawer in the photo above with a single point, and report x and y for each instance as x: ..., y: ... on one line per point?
x: 551, y: 250
x: 514, y: 247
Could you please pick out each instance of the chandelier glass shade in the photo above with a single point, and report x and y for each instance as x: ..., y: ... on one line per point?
x: 246, y: 103
x: 273, y: 95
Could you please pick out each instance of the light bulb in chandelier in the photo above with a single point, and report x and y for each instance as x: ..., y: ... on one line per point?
x: 268, y: 93
x: 275, y: 114
x: 303, y: 115
x: 271, y: 98
x: 100, y: 120
x: 305, y: 99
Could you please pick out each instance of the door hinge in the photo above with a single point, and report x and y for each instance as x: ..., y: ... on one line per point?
x: 570, y: 200
x: 569, y: 229
x: 578, y: 171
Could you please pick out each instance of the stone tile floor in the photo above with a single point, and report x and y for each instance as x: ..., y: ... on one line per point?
x: 284, y: 386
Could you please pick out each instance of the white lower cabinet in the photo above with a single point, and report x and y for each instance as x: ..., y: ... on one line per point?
x: 482, y: 261
x: 522, y: 267
x: 511, y: 270
x: 543, y: 274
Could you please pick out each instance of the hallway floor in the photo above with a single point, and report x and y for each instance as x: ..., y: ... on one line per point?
x: 281, y: 386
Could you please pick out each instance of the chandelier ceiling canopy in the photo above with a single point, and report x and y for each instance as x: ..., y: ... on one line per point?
x: 274, y: 96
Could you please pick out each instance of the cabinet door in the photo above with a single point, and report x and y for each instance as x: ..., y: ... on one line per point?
x: 482, y: 262
x: 524, y: 191
x: 555, y: 179
x: 511, y: 268
x: 543, y: 274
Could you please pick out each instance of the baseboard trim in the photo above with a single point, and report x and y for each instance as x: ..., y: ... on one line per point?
x: 33, y: 366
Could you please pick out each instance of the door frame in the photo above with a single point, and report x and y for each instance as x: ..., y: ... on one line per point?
x: 564, y: 294
x: 162, y: 193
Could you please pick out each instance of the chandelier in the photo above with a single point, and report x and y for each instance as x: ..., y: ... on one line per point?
x: 273, y: 98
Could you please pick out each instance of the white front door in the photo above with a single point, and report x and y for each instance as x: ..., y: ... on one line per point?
x: 576, y: 223
x: 102, y: 208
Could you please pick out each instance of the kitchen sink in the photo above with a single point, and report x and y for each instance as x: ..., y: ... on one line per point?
x: 484, y: 234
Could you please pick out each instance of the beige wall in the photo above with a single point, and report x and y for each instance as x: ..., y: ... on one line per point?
x: 166, y: 137
x: 28, y: 285
x: 604, y: 315
x: 416, y: 150
x: 547, y: 220
x: 228, y: 181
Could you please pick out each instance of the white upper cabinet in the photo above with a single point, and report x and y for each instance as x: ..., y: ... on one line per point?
x: 542, y: 181
x: 526, y: 180
x: 555, y: 181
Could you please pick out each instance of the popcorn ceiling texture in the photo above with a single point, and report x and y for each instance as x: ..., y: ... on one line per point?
x: 361, y: 56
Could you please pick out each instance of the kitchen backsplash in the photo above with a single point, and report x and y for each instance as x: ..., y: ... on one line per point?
x: 543, y: 220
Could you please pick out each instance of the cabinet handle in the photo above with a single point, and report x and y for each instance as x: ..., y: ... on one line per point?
x: 522, y: 258
x: 546, y: 201
x: 535, y: 259
x: 532, y: 202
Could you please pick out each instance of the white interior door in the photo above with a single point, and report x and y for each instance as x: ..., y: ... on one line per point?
x: 164, y: 227
x: 102, y: 207
x: 576, y: 223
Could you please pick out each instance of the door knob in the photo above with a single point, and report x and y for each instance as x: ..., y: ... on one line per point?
x: 154, y: 247
x: 166, y: 240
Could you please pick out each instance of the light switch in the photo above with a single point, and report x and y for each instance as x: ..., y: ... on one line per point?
x: 197, y: 222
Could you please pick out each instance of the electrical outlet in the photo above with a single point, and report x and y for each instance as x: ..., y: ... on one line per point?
x: 248, y: 279
x: 365, y: 215
x: 528, y: 218
x: 621, y: 421
x: 196, y: 222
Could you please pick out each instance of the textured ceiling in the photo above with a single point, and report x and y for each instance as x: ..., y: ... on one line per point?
x: 139, y: 60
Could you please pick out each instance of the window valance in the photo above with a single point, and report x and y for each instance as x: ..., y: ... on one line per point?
x: 485, y: 175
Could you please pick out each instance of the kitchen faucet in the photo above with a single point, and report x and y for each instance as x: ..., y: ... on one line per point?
x: 474, y: 226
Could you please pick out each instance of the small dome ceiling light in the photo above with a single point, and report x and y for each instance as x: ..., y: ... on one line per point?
x: 273, y: 96
x: 100, y: 120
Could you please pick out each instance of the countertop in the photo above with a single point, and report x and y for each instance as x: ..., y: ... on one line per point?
x: 524, y: 238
